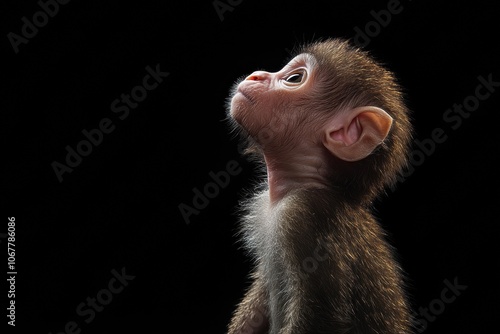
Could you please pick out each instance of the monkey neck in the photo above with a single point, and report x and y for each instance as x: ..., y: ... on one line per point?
x: 300, y: 168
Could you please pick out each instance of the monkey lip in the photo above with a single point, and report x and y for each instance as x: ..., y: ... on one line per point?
x: 244, y: 94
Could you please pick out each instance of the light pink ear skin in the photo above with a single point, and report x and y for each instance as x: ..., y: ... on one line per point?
x: 354, y: 134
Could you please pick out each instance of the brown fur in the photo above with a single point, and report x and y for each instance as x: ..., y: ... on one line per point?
x: 350, y: 78
x: 355, y: 285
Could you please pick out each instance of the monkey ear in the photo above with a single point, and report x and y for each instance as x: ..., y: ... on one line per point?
x: 354, y: 135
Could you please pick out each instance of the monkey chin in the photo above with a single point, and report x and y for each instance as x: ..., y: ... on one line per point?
x: 240, y: 107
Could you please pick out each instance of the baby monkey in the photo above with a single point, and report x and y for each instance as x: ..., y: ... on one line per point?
x: 333, y: 131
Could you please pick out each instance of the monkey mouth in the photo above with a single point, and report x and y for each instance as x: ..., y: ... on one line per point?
x: 244, y: 94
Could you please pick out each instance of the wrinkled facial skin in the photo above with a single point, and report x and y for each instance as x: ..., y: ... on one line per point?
x: 265, y: 98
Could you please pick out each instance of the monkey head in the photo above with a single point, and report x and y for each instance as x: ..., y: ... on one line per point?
x: 336, y: 102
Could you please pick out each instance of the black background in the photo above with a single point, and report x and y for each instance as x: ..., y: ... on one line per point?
x: 119, y: 207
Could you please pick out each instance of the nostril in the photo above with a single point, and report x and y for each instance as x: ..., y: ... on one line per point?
x: 257, y: 76
x: 253, y: 77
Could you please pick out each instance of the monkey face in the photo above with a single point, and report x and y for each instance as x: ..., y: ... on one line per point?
x: 265, y: 99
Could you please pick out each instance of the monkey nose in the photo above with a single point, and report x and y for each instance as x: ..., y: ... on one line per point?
x: 258, y: 76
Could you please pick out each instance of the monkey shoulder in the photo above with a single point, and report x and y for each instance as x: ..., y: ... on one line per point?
x: 323, y: 209
x: 305, y: 217
x: 317, y: 216
x: 313, y: 210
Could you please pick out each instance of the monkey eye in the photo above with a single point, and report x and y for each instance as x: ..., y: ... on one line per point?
x: 296, y: 77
